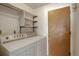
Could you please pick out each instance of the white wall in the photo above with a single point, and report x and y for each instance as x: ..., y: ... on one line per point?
x: 76, y: 31
x: 72, y: 22
x: 42, y: 18
x: 24, y: 7
x: 9, y: 21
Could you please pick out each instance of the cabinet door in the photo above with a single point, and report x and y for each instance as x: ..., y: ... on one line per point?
x: 42, y: 47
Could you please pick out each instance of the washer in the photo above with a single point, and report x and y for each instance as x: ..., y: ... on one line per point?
x: 20, y: 47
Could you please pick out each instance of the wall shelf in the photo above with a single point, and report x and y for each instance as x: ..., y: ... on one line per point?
x: 34, y: 17
x: 25, y: 27
x: 27, y: 21
x: 28, y: 18
x: 35, y: 21
x: 35, y: 27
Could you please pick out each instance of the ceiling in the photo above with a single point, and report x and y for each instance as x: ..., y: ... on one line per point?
x: 35, y: 5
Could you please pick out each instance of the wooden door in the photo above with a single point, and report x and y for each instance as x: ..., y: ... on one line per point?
x: 59, y: 32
